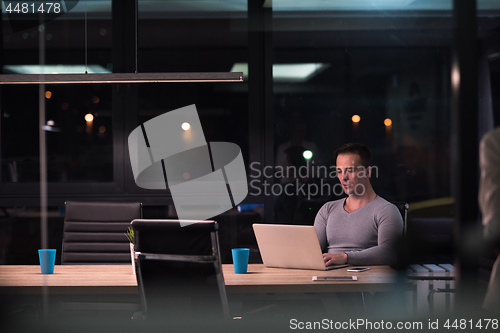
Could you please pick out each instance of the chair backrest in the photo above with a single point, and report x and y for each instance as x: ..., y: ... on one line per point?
x: 94, y: 232
x: 403, y: 209
x: 179, y: 270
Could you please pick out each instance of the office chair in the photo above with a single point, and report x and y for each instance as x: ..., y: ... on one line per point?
x: 94, y: 232
x: 179, y: 271
x: 403, y: 209
x: 430, y: 225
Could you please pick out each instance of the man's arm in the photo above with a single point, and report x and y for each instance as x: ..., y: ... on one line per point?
x: 390, y: 230
x: 320, y: 226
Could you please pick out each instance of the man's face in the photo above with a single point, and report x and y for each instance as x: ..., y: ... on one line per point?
x: 352, y: 174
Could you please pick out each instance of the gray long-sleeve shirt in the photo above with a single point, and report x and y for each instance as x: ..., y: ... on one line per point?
x: 367, y: 235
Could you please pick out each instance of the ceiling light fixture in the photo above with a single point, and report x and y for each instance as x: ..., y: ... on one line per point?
x: 54, y: 69
x: 85, y: 77
x: 120, y: 78
x: 296, y: 73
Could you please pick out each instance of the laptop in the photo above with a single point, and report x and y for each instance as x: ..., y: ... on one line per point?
x: 290, y: 246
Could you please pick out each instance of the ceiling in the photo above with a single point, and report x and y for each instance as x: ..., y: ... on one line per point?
x: 152, y: 9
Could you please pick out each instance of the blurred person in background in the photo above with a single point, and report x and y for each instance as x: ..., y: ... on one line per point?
x: 489, y: 202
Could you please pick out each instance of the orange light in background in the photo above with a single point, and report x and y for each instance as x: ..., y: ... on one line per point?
x: 64, y: 106
x: 102, y: 129
x: 48, y: 94
x: 186, y: 126
x: 356, y: 118
x: 95, y: 99
x: 89, y: 117
x: 388, y: 131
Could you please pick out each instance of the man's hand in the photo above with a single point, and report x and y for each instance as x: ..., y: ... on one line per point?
x: 334, y: 258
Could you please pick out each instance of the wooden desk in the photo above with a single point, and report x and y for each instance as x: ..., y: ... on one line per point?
x: 68, y: 279
x: 261, y: 279
x: 118, y: 279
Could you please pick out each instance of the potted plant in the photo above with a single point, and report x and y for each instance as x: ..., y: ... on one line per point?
x: 130, y: 236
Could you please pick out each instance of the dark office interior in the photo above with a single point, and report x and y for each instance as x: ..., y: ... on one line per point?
x: 382, y: 75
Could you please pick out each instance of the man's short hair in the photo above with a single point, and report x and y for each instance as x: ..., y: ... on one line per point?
x: 358, y: 149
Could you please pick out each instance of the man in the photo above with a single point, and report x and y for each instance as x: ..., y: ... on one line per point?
x: 362, y: 229
x: 489, y: 202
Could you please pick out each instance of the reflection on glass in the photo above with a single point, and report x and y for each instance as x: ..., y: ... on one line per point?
x: 386, y: 85
x: 79, y: 149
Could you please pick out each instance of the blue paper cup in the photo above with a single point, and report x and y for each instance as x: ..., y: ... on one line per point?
x: 47, y: 260
x: 240, y: 260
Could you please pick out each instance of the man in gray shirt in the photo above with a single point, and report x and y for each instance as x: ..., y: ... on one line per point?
x: 362, y: 229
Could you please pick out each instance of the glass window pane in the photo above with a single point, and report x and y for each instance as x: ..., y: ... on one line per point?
x: 79, y: 40
x: 196, y: 36
x: 78, y: 129
x: 354, y: 72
